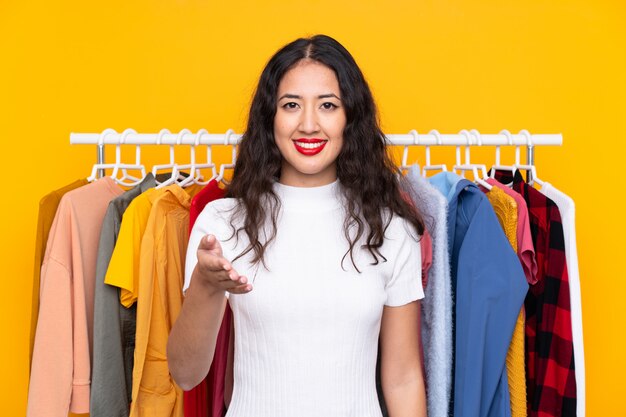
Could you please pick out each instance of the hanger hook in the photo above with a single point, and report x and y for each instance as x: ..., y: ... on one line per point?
x: 227, y: 136
x: 198, y: 134
x: 179, y: 138
x: 479, y: 139
x: 437, y: 136
x: 468, y: 137
x: 125, y: 134
x: 508, y: 135
x: 160, y: 135
x: 468, y: 140
x: 526, y: 134
x: 416, y: 140
x: 103, y: 134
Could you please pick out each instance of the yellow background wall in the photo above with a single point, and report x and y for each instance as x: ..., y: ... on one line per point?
x: 548, y: 67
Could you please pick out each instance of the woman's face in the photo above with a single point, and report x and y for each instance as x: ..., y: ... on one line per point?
x: 309, y: 123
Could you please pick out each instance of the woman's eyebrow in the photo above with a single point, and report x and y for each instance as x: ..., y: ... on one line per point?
x: 329, y: 95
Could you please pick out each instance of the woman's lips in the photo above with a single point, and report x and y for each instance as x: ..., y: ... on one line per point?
x: 309, y: 147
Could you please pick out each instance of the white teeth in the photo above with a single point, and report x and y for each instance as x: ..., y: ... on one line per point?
x: 310, y: 145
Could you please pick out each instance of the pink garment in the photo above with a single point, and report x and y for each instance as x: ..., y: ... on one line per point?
x: 525, y: 247
x: 60, y: 373
x: 426, y: 245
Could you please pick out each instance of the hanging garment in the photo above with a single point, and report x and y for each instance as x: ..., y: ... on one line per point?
x: 47, y: 209
x: 114, y: 325
x: 209, y: 393
x: 551, y: 385
x: 125, y: 259
x: 526, y: 255
x: 436, y: 323
x: 506, y: 210
x: 159, y: 300
x: 489, y: 288
x: 306, y: 335
x: 123, y: 270
x: 525, y: 247
x: 567, y: 209
x: 426, y: 244
x: 60, y: 373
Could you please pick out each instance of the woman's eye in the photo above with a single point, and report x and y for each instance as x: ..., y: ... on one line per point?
x: 329, y: 106
x: 290, y: 105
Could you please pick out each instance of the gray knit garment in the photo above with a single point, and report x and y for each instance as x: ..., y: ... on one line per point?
x: 437, y: 323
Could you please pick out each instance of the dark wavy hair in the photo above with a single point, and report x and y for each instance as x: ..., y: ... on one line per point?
x: 366, y: 173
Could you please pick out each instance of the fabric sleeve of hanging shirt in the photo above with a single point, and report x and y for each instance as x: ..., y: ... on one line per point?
x: 114, y: 325
x: 550, y: 357
x: 209, y: 193
x: 506, y: 210
x: 489, y: 294
x: 437, y: 303
x: 159, y: 301
x: 47, y: 209
x: 567, y: 208
x: 60, y: 372
x: 525, y: 247
x: 123, y: 270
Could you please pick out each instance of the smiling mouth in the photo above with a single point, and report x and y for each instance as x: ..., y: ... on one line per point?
x: 309, y: 147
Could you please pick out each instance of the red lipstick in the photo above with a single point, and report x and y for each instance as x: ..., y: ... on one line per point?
x: 309, y: 146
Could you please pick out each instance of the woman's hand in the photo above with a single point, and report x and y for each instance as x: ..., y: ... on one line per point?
x: 216, y: 271
x: 191, y: 343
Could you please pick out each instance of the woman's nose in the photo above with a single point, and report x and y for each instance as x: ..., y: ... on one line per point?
x: 308, y: 121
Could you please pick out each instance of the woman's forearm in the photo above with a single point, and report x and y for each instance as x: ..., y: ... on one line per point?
x: 407, y: 399
x: 191, y: 342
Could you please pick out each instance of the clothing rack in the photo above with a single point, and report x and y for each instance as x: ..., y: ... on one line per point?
x: 432, y: 138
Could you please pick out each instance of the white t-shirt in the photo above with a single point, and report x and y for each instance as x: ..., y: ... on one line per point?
x: 306, y: 336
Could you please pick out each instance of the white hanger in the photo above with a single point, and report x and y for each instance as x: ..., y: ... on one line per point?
x: 172, y: 165
x: 103, y: 166
x: 468, y: 166
x: 123, y: 180
x: 191, y: 166
x: 497, y: 166
x: 428, y: 166
x: 404, y: 166
x: 117, y: 166
x: 531, y: 168
x: 223, y: 167
x: 195, y: 175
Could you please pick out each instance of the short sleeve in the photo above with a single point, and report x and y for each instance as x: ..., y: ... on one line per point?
x: 123, y: 269
x: 405, y: 283
x: 210, y: 221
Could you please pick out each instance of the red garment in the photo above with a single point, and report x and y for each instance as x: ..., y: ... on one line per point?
x: 551, y: 379
x: 210, y: 192
x: 197, y: 402
x: 426, y: 245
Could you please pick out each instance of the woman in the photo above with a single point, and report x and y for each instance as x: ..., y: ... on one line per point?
x: 315, y: 250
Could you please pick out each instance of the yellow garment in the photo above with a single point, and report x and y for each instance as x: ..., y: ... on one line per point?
x: 159, y: 301
x: 47, y: 210
x: 123, y: 270
x: 506, y: 211
x: 193, y: 189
